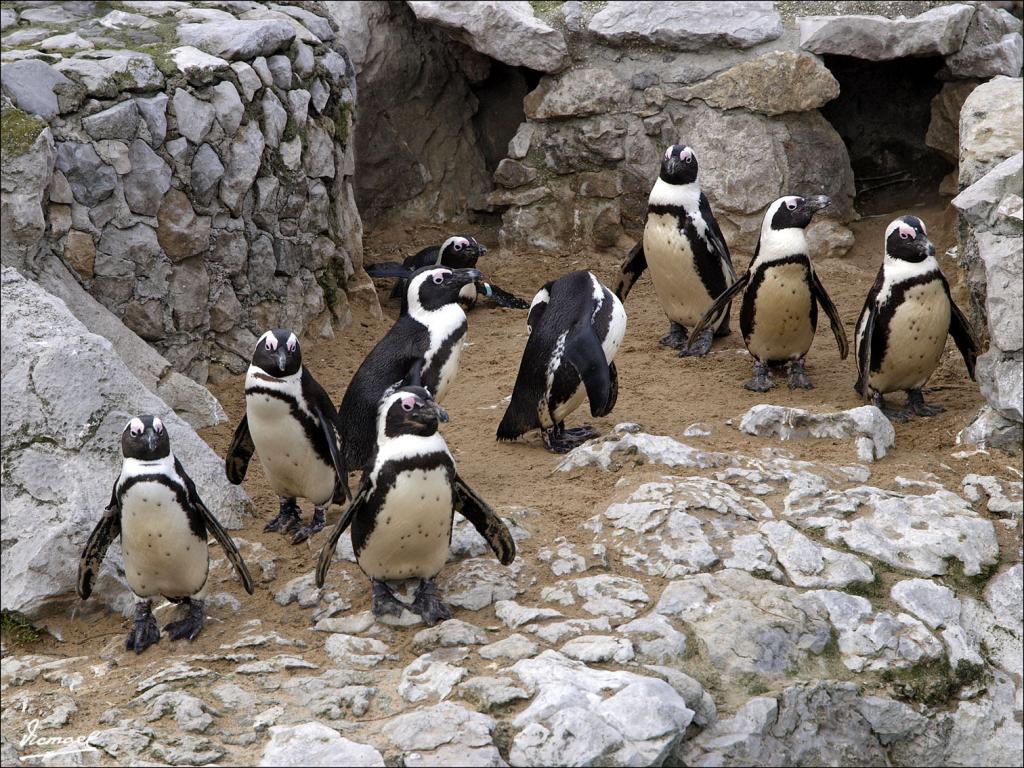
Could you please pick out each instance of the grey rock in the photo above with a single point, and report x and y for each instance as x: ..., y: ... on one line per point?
x: 304, y: 59
x: 207, y: 171
x: 180, y: 232
x: 877, y: 38
x: 944, y: 126
x: 122, y: 20
x: 24, y: 179
x: 189, y: 293
x: 990, y: 127
x: 506, y: 31
x: 281, y: 71
x: 248, y: 80
x: 613, y: 596
x: 274, y: 119
x: 197, y: 66
x: 298, y: 106
x: 511, y: 174
x: 428, y: 728
x: 478, y: 582
x: 301, y: 590
x: 319, y: 160
x: 934, y: 604
x: 315, y: 744
x: 194, y: 116
x: 452, y: 632
x: 236, y: 40
x: 318, y: 25
x: 318, y: 94
x: 358, y: 652
x: 554, y: 632
x: 32, y: 85
x: 291, y: 158
x: 69, y: 42
x: 8, y: 18
x: 705, y: 24
x: 991, y: 428
x: 432, y: 675
x: 992, y: 46
x: 106, y: 73
x: 487, y: 693
x: 598, y: 648
x: 809, y: 564
x: 519, y: 144
x: 873, y: 433
x: 91, y: 180
x: 189, y: 712
x: 243, y: 165
x: 1003, y: 595
x: 259, y: 66
x: 54, y: 13
x: 704, y: 711
x: 655, y: 639
x: 513, y: 647
x: 149, y: 179
x: 576, y: 93
x: 154, y: 113
x: 624, y: 444
x: 228, y: 107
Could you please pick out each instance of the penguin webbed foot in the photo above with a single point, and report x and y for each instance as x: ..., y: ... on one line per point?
x: 700, y: 346
x: 916, y: 404
x: 189, y: 627
x: 558, y: 439
x: 384, y: 601
x: 287, y: 519
x: 144, y: 631
x: 798, y: 378
x: 676, y: 337
x: 762, y: 380
x: 315, y: 526
x: 901, y: 415
x: 427, y: 604
x: 583, y: 433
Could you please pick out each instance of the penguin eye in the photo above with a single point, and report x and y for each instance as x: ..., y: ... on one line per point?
x: 791, y: 205
x: 688, y: 159
x: 136, y: 432
x: 408, y: 403
x: 458, y: 246
x: 904, y: 235
x: 136, y: 427
x: 271, y: 344
x: 438, y: 276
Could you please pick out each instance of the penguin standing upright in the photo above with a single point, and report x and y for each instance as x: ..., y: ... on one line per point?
x: 291, y: 423
x: 457, y: 252
x: 575, y: 328
x: 686, y: 252
x: 423, y: 347
x: 781, y: 294
x: 901, y: 332
x: 402, y: 513
x: 163, y: 525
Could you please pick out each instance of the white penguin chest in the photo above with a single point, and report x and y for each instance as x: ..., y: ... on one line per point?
x: 412, y: 532
x: 670, y: 260
x: 917, y: 336
x: 162, y: 556
x: 781, y: 310
x: 286, y: 452
x: 447, y: 330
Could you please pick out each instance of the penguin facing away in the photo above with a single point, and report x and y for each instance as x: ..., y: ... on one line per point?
x: 575, y: 327
x: 423, y: 347
x: 781, y: 294
x: 686, y: 252
x: 402, y: 513
x: 902, y: 329
x: 457, y: 252
x: 163, y: 525
x: 291, y: 423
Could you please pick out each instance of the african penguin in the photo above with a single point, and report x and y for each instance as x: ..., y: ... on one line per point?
x: 291, y: 423
x: 901, y: 332
x: 163, y: 525
x: 686, y: 252
x: 458, y: 252
x: 781, y: 294
x: 423, y: 347
x: 575, y: 327
x: 402, y: 513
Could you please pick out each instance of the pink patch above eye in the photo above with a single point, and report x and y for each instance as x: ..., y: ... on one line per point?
x: 907, y: 231
x: 408, y: 403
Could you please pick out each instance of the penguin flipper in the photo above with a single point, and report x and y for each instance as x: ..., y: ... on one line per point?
x: 323, y: 562
x: 106, y: 530
x: 584, y: 352
x: 717, y: 305
x: 388, y: 269
x: 864, y: 369
x: 236, y: 463
x: 333, y: 438
x: 613, y: 394
x: 631, y: 269
x: 213, y: 526
x: 487, y: 524
x: 963, y: 333
x: 501, y: 297
x: 825, y: 301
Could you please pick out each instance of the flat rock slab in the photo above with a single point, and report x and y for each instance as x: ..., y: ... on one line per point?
x: 688, y: 26
x: 877, y: 38
x: 234, y: 40
x: 874, y: 434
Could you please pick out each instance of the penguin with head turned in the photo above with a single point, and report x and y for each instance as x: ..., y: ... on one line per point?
x: 902, y: 329
x: 781, y: 294
x: 402, y: 513
x: 686, y: 252
x: 163, y: 525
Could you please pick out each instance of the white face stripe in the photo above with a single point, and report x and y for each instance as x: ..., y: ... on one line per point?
x: 269, y: 339
x: 136, y: 426
x: 293, y: 342
x: 158, y: 426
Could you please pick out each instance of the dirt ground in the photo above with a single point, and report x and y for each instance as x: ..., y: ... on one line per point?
x: 661, y: 392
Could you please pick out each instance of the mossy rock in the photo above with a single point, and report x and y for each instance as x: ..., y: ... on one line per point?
x: 17, y: 629
x: 933, y: 682
x: 18, y: 132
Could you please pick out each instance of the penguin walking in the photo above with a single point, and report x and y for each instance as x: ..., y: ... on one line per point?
x: 402, y: 513
x: 781, y: 294
x: 575, y: 327
x: 686, y: 252
x: 291, y: 423
x: 901, y: 332
x: 423, y: 347
x: 458, y: 252
x: 163, y: 525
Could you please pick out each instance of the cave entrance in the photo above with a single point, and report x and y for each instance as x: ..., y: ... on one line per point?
x: 882, y: 114
x: 500, y: 112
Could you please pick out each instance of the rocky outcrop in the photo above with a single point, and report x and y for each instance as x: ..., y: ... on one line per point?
x: 67, y: 396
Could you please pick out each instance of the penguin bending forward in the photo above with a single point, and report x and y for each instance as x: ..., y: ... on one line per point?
x: 423, y: 347
x: 686, y: 252
x: 781, y: 294
x: 163, y: 525
x: 901, y: 332
x: 291, y: 423
x: 575, y: 327
x: 402, y: 513
x: 457, y: 252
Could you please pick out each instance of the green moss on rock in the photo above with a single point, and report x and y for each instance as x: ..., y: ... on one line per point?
x: 16, y: 628
x: 18, y: 131
x: 933, y: 682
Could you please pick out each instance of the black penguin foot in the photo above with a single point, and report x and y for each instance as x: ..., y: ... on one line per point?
x: 916, y: 403
x: 700, y: 346
x: 762, y: 380
x: 144, y: 631
x: 385, y: 602
x: 426, y: 603
x: 586, y: 432
x: 315, y: 526
x: 798, y: 378
x: 676, y: 337
x: 893, y: 414
x: 287, y: 519
x: 189, y: 627
x: 560, y: 440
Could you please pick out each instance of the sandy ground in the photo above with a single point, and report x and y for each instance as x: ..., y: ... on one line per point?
x: 657, y: 390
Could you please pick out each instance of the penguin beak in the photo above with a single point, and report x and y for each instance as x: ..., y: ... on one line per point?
x: 442, y: 414
x: 927, y: 247
x: 430, y: 413
x: 461, y: 277
x: 151, y: 441
x: 282, y: 360
x: 481, y: 249
x: 817, y: 203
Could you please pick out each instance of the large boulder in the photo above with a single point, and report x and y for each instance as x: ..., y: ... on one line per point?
x: 991, y: 127
x: 238, y: 39
x: 688, y: 26
x: 67, y: 396
x: 992, y: 46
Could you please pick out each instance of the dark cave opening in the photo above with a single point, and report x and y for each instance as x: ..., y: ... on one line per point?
x: 882, y: 114
x: 500, y: 111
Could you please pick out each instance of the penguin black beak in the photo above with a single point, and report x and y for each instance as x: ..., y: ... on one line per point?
x: 282, y: 360
x: 928, y: 248
x: 482, y: 249
x: 442, y: 414
x: 151, y: 441
x: 462, y: 277
x: 817, y: 203
x: 430, y: 413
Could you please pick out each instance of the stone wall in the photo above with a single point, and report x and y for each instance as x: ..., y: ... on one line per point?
x: 202, y: 168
